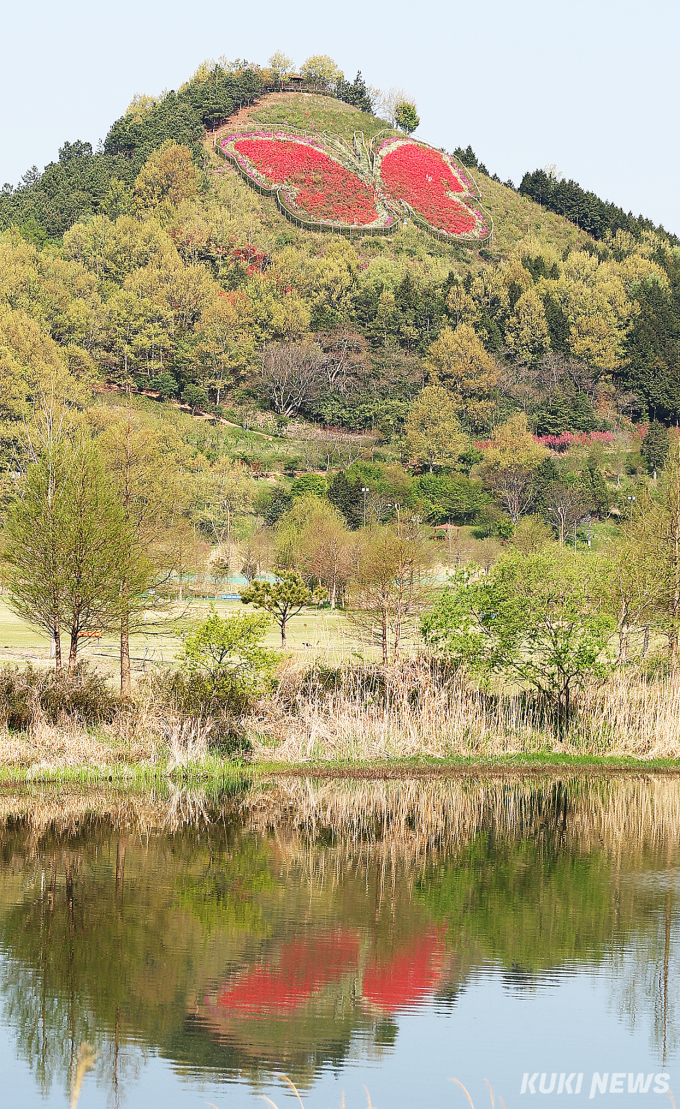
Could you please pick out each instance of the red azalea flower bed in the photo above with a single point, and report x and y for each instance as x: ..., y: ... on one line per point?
x: 423, y: 179
x: 325, y: 189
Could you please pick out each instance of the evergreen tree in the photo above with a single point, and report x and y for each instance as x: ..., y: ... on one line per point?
x: 655, y: 447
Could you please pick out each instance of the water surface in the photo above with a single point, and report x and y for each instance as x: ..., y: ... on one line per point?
x: 181, y: 950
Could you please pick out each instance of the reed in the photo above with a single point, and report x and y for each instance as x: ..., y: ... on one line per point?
x: 420, y: 708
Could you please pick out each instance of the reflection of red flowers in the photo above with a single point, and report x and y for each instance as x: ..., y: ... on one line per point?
x: 304, y: 967
x: 423, y: 178
x: 325, y: 189
x: 407, y: 977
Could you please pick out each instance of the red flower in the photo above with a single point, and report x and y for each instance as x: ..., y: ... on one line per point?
x: 324, y: 189
x: 424, y: 179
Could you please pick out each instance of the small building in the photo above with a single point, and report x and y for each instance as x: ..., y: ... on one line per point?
x: 295, y: 80
x: 441, y: 531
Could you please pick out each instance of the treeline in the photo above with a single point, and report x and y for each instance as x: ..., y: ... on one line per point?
x: 584, y: 208
x: 83, y: 182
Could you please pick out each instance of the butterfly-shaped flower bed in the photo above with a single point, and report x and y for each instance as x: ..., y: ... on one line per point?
x: 432, y: 187
x: 308, y: 181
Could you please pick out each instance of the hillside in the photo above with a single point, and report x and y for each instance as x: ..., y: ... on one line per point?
x: 155, y: 270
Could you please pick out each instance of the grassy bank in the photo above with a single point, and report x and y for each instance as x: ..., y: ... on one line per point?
x: 216, y: 774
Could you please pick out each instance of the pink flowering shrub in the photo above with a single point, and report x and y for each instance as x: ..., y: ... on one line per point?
x: 567, y: 439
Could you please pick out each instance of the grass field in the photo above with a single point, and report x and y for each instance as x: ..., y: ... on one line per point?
x: 309, y: 113
x: 314, y: 634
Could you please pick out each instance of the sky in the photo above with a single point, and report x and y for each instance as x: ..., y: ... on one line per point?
x: 590, y: 86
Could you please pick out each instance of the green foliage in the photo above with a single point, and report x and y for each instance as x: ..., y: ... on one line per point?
x: 562, y: 412
x: 164, y: 383
x: 228, y: 656
x: 345, y: 495
x: 449, y: 498
x: 655, y: 446
x: 282, y: 599
x: 356, y: 93
x: 313, y: 484
x: 653, y: 346
x: 540, y: 619
x: 194, y: 396
x: 406, y: 117
x: 597, y: 217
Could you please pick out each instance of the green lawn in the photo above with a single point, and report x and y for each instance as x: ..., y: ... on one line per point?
x: 312, y: 113
x: 314, y: 634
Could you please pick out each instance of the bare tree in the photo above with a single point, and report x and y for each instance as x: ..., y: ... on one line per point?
x: 514, y: 486
x: 344, y: 359
x: 290, y: 374
x: 391, y: 581
x: 567, y: 505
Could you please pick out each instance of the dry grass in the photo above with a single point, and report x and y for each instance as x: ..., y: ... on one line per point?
x: 425, y: 711
x: 361, y: 713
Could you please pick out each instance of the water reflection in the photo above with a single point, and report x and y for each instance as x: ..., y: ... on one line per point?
x: 292, y: 926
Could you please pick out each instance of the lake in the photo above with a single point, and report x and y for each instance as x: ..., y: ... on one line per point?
x: 365, y: 939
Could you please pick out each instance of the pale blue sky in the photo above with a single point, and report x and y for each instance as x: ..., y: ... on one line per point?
x: 589, y: 85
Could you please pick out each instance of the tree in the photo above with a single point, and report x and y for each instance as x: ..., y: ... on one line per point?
x: 511, y: 458
x: 225, y: 340
x: 434, y: 436
x: 357, y: 93
x: 290, y: 373
x: 654, y: 532
x: 457, y: 360
x: 137, y: 457
x: 166, y: 178
x: 280, y: 64
x: 527, y: 332
x: 194, y: 397
x: 66, y: 540
x: 282, y: 599
x: 227, y: 654
x: 566, y: 503
x: 391, y: 581
x: 313, y: 536
x: 655, y: 447
x: 541, y: 619
x: 406, y: 117
x: 319, y: 69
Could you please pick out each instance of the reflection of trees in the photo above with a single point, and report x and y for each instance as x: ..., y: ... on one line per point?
x: 178, y: 924
x: 648, y: 970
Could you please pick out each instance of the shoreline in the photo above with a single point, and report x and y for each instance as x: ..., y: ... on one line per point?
x: 216, y: 772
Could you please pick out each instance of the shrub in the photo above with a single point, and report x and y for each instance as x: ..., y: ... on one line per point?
x: 29, y: 695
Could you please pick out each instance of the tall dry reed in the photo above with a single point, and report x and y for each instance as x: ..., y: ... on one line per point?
x: 418, y: 708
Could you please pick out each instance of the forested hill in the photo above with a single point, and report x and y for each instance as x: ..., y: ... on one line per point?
x: 83, y: 182
x: 153, y: 265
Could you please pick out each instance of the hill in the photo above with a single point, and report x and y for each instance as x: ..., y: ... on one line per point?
x: 153, y: 269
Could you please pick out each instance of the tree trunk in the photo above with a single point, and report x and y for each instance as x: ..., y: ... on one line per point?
x: 125, y: 678
x: 56, y: 634
x: 385, y: 635
x: 283, y: 632
x: 73, y: 648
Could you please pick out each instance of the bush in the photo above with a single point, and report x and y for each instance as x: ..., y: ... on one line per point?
x: 29, y: 695
x: 194, y: 396
x: 164, y: 383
